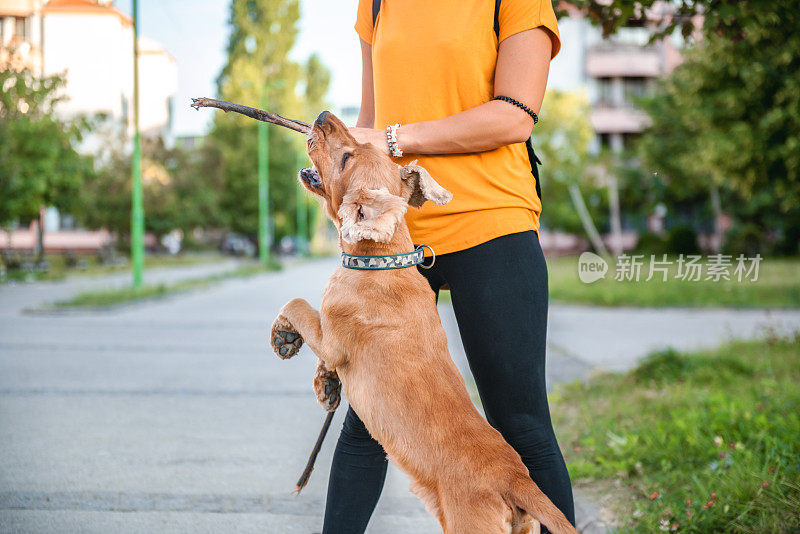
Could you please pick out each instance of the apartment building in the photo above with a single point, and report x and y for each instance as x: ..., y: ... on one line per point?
x: 91, y: 42
x: 613, y: 71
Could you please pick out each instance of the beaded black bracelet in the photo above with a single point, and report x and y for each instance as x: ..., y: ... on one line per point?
x: 520, y: 105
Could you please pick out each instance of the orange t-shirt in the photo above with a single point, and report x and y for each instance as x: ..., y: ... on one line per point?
x: 435, y: 59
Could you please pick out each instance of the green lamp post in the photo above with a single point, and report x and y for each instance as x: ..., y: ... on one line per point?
x: 137, y: 209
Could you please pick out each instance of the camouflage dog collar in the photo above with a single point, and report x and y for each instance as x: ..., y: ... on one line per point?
x: 389, y: 261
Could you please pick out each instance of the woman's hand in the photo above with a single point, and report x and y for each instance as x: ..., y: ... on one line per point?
x: 371, y: 135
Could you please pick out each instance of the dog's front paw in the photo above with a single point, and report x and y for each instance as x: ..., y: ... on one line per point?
x: 284, y: 339
x: 328, y: 388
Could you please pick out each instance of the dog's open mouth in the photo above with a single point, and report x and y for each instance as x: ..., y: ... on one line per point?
x: 310, y: 177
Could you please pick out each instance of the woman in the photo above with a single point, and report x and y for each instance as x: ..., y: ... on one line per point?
x: 434, y: 69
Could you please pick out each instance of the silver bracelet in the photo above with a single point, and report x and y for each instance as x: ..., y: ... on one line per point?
x: 391, y: 139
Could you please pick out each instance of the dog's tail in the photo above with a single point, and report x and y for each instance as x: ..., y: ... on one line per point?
x: 526, y: 495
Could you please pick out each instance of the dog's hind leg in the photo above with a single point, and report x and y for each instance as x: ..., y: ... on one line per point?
x: 525, y: 524
x: 430, y: 498
x: 327, y: 387
x: 487, y: 514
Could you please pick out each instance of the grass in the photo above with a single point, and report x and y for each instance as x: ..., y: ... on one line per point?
x: 112, y: 297
x: 778, y: 286
x: 90, y: 265
x: 699, y: 442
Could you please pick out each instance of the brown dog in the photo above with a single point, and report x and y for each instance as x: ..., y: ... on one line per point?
x: 380, y: 332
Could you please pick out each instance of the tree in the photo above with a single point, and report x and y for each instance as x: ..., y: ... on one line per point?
x: 179, y: 191
x: 39, y: 165
x: 728, y: 119
x: 562, y: 139
x: 263, y: 33
x: 726, y: 124
x: 723, y: 18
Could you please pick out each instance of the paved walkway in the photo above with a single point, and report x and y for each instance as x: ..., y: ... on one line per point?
x: 172, y: 416
x: 22, y: 296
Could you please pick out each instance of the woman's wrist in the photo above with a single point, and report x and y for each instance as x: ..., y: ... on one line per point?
x: 391, y: 140
x: 405, y: 139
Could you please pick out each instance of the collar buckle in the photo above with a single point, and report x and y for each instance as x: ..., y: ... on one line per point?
x: 433, y: 256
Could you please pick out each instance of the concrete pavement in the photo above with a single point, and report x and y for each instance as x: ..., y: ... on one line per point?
x: 172, y: 416
x: 21, y: 296
x: 166, y: 416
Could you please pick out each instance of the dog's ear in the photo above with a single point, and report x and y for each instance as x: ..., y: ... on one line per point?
x: 421, y: 187
x: 370, y: 214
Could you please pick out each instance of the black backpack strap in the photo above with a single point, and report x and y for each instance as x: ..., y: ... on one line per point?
x: 376, y: 7
x: 535, y: 162
x: 497, y: 18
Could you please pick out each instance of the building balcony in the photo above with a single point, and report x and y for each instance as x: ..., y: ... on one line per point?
x: 612, y: 120
x: 613, y: 60
x: 19, y: 8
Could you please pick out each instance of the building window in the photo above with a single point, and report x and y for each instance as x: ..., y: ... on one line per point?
x: 633, y: 88
x: 125, y: 116
x: 629, y: 140
x: 633, y: 33
x: 20, y: 29
x: 68, y: 223
x: 605, y: 95
x: 605, y: 141
x: 170, y: 114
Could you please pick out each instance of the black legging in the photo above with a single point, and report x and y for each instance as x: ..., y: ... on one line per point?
x: 499, y: 293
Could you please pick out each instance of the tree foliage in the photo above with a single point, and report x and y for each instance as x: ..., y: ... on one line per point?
x: 562, y: 140
x: 178, y: 190
x: 730, y: 117
x: 216, y: 186
x: 39, y: 165
x: 259, y: 72
x: 724, y: 18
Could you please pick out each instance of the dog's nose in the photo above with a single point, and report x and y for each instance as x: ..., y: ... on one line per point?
x: 322, y: 118
x: 310, y: 177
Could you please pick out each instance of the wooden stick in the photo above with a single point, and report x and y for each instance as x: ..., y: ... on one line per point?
x: 313, y: 458
x: 253, y: 113
x: 303, y: 128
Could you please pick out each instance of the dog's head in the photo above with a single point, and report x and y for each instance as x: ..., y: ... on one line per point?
x: 365, y: 193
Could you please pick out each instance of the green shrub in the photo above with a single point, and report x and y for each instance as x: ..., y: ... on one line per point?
x: 747, y: 239
x: 682, y: 240
x: 789, y: 242
x: 671, y: 366
x: 650, y: 243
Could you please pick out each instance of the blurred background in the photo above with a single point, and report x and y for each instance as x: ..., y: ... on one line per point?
x: 144, y: 250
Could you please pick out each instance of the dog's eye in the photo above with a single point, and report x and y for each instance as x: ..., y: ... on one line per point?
x: 345, y: 157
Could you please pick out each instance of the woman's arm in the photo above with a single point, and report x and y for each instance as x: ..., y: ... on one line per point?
x: 523, y: 62
x: 366, y: 115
